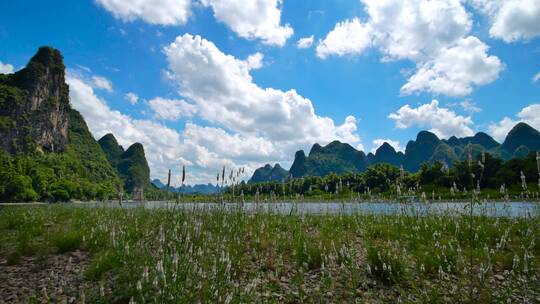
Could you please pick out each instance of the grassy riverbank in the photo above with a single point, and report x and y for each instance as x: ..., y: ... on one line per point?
x: 229, y: 257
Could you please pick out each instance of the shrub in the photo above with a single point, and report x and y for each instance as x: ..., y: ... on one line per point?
x: 105, y: 262
x: 65, y: 242
x: 308, y: 255
x: 385, y: 266
x: 60, y: 195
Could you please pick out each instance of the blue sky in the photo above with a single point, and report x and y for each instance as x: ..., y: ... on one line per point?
x: 375, y: 71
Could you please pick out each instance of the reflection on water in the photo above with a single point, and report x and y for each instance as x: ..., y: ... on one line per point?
x: 493, y: 209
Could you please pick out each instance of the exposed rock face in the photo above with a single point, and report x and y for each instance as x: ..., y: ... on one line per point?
x: 34, y: 105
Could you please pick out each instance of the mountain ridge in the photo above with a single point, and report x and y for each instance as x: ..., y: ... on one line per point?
x: 339, y: 158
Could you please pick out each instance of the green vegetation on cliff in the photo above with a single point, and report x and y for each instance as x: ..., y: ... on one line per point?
x: 47, y: 151
x: 133, y: 168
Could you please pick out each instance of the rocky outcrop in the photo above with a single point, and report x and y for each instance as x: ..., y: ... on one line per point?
x: 34, y: 105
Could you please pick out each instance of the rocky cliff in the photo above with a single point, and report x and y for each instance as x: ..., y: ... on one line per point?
x: 34, y: 105
x: 47, y: 151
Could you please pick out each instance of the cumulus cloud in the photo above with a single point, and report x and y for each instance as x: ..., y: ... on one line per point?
x: 223, y: 90
x: 162, y: 12
x: 431, y: 33
x: 255, y: 61
x: 102, y: 83
x: 380, y: 141
x: 132, y: 98
x: 304, y: 43
x: 257, y: 19
x: 455, y: 70
x: 347, y: 37
x: 441, y: 121
x: 511, y: 20
x: 6, y: 68
x: 171, y: 109
x: 527, y: 115
x: 203, y: 150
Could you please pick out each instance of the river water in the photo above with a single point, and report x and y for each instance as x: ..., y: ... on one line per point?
x: 492, y: 209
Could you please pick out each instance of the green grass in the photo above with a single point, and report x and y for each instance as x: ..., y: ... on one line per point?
x: 66, y: 241
x: 186, y: 256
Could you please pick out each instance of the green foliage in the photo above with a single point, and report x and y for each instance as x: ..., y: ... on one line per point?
x: 133, y: 167
x: 269, y: 173
x: 113, y: 151
x: 52, y: 177
x: 5, y: 123
x: 385, y: 265
x: 106, y: 261
x: 308, y: 254
x: 10, y: 96
x: 382, y: 179
x: 66, y: 241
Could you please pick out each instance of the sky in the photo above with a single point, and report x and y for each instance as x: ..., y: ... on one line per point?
x: 242, y: 83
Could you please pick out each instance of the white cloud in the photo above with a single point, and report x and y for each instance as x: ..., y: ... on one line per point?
x: 347, y: 38
x: 434, y: 34
x: 132, y: 98
x: 102, y: 83
x: 380, y: 141
x: 441, y: 121
x: 233, y: 146
x: 247, y: 125
x: 304, y: 43
x: 511, y: 20
x: 255, y: 61
x: 454, y: 71
x: 6, y: 68
x: 224, y: 93
x: 529, y: 115
x: 256, y: 19
x: 469, y: 106
x: 171, y: 109
x: 536, y: 77
x: 203, y: 150
x: 162, y: 12
x: 500, y: 130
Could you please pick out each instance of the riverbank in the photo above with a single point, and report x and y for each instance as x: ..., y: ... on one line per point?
x: 185, y: 255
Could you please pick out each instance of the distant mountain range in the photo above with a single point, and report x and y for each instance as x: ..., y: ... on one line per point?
x: 188, y: 189
x: 340, y: 157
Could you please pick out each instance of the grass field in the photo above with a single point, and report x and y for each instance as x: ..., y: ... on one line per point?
x: 218, y: 256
